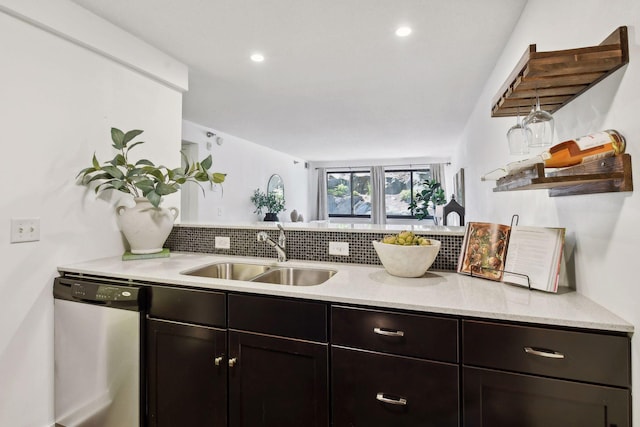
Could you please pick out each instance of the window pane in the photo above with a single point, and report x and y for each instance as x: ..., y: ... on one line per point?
x: 361, y: 193
x: 418, y: 178
x: 339, y: 193
x: 397, y: 192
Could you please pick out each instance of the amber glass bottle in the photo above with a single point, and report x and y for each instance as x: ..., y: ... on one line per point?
x: 593, y: 146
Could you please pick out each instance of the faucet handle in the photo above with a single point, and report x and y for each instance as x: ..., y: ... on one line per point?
x: 282, y: 238
x: 262, y: 236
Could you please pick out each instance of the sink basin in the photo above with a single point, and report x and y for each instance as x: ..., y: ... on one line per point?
x: 229, y: 270
x: 295, y: 276
x: 291, y: 276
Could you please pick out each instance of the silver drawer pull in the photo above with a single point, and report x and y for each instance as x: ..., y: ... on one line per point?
x: 232, y: 362
x: 218, y: 360
x: 401, y: 401
x: 388, y: 332
x: 544, y: 353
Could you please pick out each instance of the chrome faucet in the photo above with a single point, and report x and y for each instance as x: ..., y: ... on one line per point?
x: 280, y: 247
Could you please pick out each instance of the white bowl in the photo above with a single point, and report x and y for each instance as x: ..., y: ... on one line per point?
x: 407, y: 261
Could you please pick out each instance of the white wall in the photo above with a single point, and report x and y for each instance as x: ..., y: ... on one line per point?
x: 248, y: 166
x: 603, y: 227
x: 58, y: 102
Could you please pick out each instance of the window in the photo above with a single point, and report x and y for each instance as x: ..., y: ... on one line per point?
x: 400, y: 189
x: 349, y: 194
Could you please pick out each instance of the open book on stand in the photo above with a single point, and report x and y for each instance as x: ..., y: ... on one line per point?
x: 521, y: 255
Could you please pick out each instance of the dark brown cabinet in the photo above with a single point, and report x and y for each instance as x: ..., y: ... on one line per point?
x: 504, y: 399
x: 375, y: 389
x: 393, y: 369
x: 186, y: 358
x: 230, y: 359
x: 543, y: 377
x: 187, y: 376
x: 276, y: 381
x: 278, y: 354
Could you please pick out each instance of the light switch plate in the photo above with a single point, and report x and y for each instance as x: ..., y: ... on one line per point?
x: 25, y: 230
x: 222, y: 242
x: 339, y: 248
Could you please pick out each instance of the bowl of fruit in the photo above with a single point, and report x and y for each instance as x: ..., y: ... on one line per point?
x: 407, y: 255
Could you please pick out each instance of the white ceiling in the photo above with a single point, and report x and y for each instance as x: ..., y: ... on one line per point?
x: 336, y: 84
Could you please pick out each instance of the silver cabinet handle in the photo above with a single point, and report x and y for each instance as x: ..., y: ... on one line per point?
x: 218, y: 360
x: 388, y: 332
x: 401, y: 401
x: 232, y: 362
x: 544, y: 353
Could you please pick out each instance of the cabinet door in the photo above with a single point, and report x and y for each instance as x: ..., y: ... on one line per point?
x: 187, y: 375
x: 374, y: 389
x: 500, y: 399
x: 277, y: 381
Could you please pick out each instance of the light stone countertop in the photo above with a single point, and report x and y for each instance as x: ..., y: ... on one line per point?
x: 436, y: 292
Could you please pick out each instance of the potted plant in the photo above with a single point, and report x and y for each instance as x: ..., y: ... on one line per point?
x: 271, y: 202
x: 147, y: 225
x: 429, y: 197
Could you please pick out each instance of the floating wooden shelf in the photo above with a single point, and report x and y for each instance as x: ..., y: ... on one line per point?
x: 559, y: 76
x: 611, y: 174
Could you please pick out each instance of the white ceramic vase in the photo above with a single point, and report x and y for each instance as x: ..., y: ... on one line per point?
x: 145, y: 227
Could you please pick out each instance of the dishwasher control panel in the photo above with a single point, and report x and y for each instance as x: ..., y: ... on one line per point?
x: 95, y: 292
x: 99, y: 293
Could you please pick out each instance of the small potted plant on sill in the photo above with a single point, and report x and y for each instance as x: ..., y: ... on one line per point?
x: 147, y: 225
x: 425, y: 201
x: 272, y: 203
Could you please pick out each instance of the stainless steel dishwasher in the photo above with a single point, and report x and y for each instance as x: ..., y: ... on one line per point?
x: 98, y: 353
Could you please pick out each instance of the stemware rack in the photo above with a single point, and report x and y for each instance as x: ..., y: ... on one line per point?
x: 559, y: 76
x: 610, y: 174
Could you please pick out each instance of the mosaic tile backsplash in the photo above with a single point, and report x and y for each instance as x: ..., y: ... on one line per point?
x: 304, y: 245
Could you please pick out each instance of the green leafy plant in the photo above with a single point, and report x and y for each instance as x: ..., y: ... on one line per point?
x: 430, y: 196
x: 271, y: 202
x: 339, y: 190
x: 143, y: 178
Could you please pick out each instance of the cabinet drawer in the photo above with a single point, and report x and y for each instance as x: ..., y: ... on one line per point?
x: 405, y: 334
x: 276, y: 316
x: 375, y: 389
x: 584, y: 356
x: 188, y: 305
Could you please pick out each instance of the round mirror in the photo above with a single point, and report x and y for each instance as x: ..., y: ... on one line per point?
x: 276, y: 185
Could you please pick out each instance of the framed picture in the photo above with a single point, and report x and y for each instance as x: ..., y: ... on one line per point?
x: 458, y: 184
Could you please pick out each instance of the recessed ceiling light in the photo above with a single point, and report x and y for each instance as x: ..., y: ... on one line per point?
x: 257, y: 57
x: 403, y: 31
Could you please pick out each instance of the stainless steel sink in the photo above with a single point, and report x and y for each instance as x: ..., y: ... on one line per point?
x: 293, y: 276
x: 229, y: 270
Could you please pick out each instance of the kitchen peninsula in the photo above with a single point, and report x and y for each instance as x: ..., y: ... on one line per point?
x: 441, y: 335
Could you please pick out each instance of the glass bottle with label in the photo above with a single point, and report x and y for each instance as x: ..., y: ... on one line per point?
x: 590, y: 147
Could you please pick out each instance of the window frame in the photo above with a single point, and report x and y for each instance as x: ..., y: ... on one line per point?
x: 350, y: 172
x: 411, y: 171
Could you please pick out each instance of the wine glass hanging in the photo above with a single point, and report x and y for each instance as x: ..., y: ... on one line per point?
x: 541, y: 125
x: 518, y: 137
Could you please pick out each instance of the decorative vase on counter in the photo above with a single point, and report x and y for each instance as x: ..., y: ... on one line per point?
x: 270, y: 216
x: 145, y: 227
